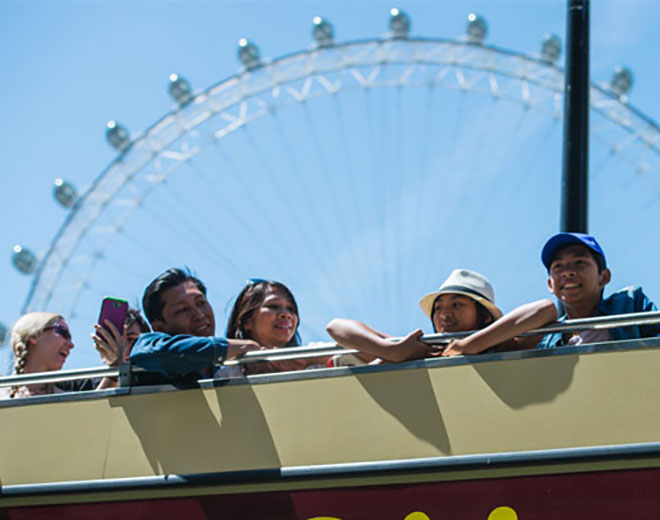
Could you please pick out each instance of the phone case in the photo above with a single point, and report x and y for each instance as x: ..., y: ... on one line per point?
x: 113, y: 309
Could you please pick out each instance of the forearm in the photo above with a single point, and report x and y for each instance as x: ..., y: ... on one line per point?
x: 522, y: 319
x: 181, y: 354
x: 357, y: 335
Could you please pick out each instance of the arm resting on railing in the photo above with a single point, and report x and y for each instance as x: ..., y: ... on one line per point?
x: 522, y: 319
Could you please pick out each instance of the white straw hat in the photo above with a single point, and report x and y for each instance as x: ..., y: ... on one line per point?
x: 468, y: 283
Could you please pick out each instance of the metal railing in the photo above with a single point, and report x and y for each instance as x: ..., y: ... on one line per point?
x: 124, y: 372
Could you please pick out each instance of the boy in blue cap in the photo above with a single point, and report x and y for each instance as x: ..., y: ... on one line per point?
x: 577, y: 276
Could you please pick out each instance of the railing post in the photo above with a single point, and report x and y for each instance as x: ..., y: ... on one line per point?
x: 125, y: 375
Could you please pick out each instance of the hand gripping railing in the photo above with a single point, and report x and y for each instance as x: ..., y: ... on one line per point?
x: 123, y: 372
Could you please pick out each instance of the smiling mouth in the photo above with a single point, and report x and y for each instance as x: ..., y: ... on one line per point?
x: 286, y: 326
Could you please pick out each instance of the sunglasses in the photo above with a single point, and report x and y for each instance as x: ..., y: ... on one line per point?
x: 60, y: 330
x: 255, y: 281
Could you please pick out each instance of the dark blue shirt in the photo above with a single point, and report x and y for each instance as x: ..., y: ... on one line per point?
x: 625, y: 301
x: 178, y: 357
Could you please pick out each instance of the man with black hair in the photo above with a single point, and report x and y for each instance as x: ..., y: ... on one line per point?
x: 577, y: 276
x: 183, y: 345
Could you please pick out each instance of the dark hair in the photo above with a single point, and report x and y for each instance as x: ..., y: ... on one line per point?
x: 598, y: 258
x: 248, y: 300
x: 153, y: 304
x: 134, y: 316
x: 484, y: 316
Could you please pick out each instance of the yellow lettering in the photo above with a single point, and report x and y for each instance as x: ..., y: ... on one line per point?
x: 503, y: 513
x: 417, y: 515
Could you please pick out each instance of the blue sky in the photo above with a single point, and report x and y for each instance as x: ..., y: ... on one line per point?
x: 71, y: 66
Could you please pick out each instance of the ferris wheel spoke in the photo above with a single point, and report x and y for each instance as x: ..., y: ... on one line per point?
x: 196, y: 233
x: 337, y: 200
x: 357, y: 196
x: 249, y: 233
x: 378, y: 252
x: 310, y: 241
x: 313, y: 214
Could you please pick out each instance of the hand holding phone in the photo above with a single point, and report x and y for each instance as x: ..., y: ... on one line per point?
x: 110, y: 329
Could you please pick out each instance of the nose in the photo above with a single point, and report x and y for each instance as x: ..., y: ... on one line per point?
x: 443, y: 312
x: 284, y: 313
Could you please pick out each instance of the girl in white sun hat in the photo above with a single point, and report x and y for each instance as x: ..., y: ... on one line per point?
x: 464, y: 302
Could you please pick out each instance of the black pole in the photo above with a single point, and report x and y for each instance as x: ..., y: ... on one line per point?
x: 575, y: 164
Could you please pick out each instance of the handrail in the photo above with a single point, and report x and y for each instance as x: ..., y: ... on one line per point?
x: 58, y: 376
x: 593, y: 323
x: 123, y: 372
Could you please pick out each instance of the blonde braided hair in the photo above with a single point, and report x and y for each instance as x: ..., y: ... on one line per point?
x: 28, y: 326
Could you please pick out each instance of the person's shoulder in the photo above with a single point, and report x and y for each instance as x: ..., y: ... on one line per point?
x: 147, y: 338
x: 630, y: 290
x: 626, y: 300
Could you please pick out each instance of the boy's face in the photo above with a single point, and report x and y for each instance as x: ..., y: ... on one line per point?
x: 573, y: 276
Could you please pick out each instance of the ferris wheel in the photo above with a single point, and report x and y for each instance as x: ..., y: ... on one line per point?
x: 357, y: 173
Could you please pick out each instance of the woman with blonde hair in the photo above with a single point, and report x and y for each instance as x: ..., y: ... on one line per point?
x: 41, y: 342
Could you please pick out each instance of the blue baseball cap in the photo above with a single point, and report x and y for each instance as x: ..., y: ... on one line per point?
x: 563, y: 239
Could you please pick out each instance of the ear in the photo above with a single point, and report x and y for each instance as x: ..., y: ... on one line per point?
x: 605, y: 277
x: 550, y: 287
x: 158, y: 326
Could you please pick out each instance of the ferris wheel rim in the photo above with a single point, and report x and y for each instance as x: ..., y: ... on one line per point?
x: 606, y: 96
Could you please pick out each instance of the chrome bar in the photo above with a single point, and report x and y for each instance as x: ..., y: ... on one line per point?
x: 594, y: 323
x: 330, y: 349
x: 597, y: 322
x: 65, y: 375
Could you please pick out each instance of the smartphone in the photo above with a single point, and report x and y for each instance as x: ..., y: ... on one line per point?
x: 113, y: 309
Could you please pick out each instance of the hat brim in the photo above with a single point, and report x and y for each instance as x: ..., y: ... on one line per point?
x: 426, y: 303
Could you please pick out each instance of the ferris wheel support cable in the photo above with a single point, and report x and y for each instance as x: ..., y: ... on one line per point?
x: 474, y: 170
x: 421, y: 208
x: 378, y: 220
x: 140, y: 242
x: 355, y: 197
x: 313, y: 214
x: 335, y: 196
x: 317, y: 257
x: 441, y: 213
x: 399, y: 201
x: 249, y: 233
x: 199, y: 239
x: 287, y: 259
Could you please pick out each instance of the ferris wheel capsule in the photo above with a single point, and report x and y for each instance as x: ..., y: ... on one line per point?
x: 622, y: 80
x: 550, y: 48
x: 399, y: 23
x: 23, y: 259
x: 248, y: 54
x: 4, y: 333
x: 179, y: 89
x: 117, y: 136
x: 322, y: 31
x: 476, y: 29
x: 65, y: 193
